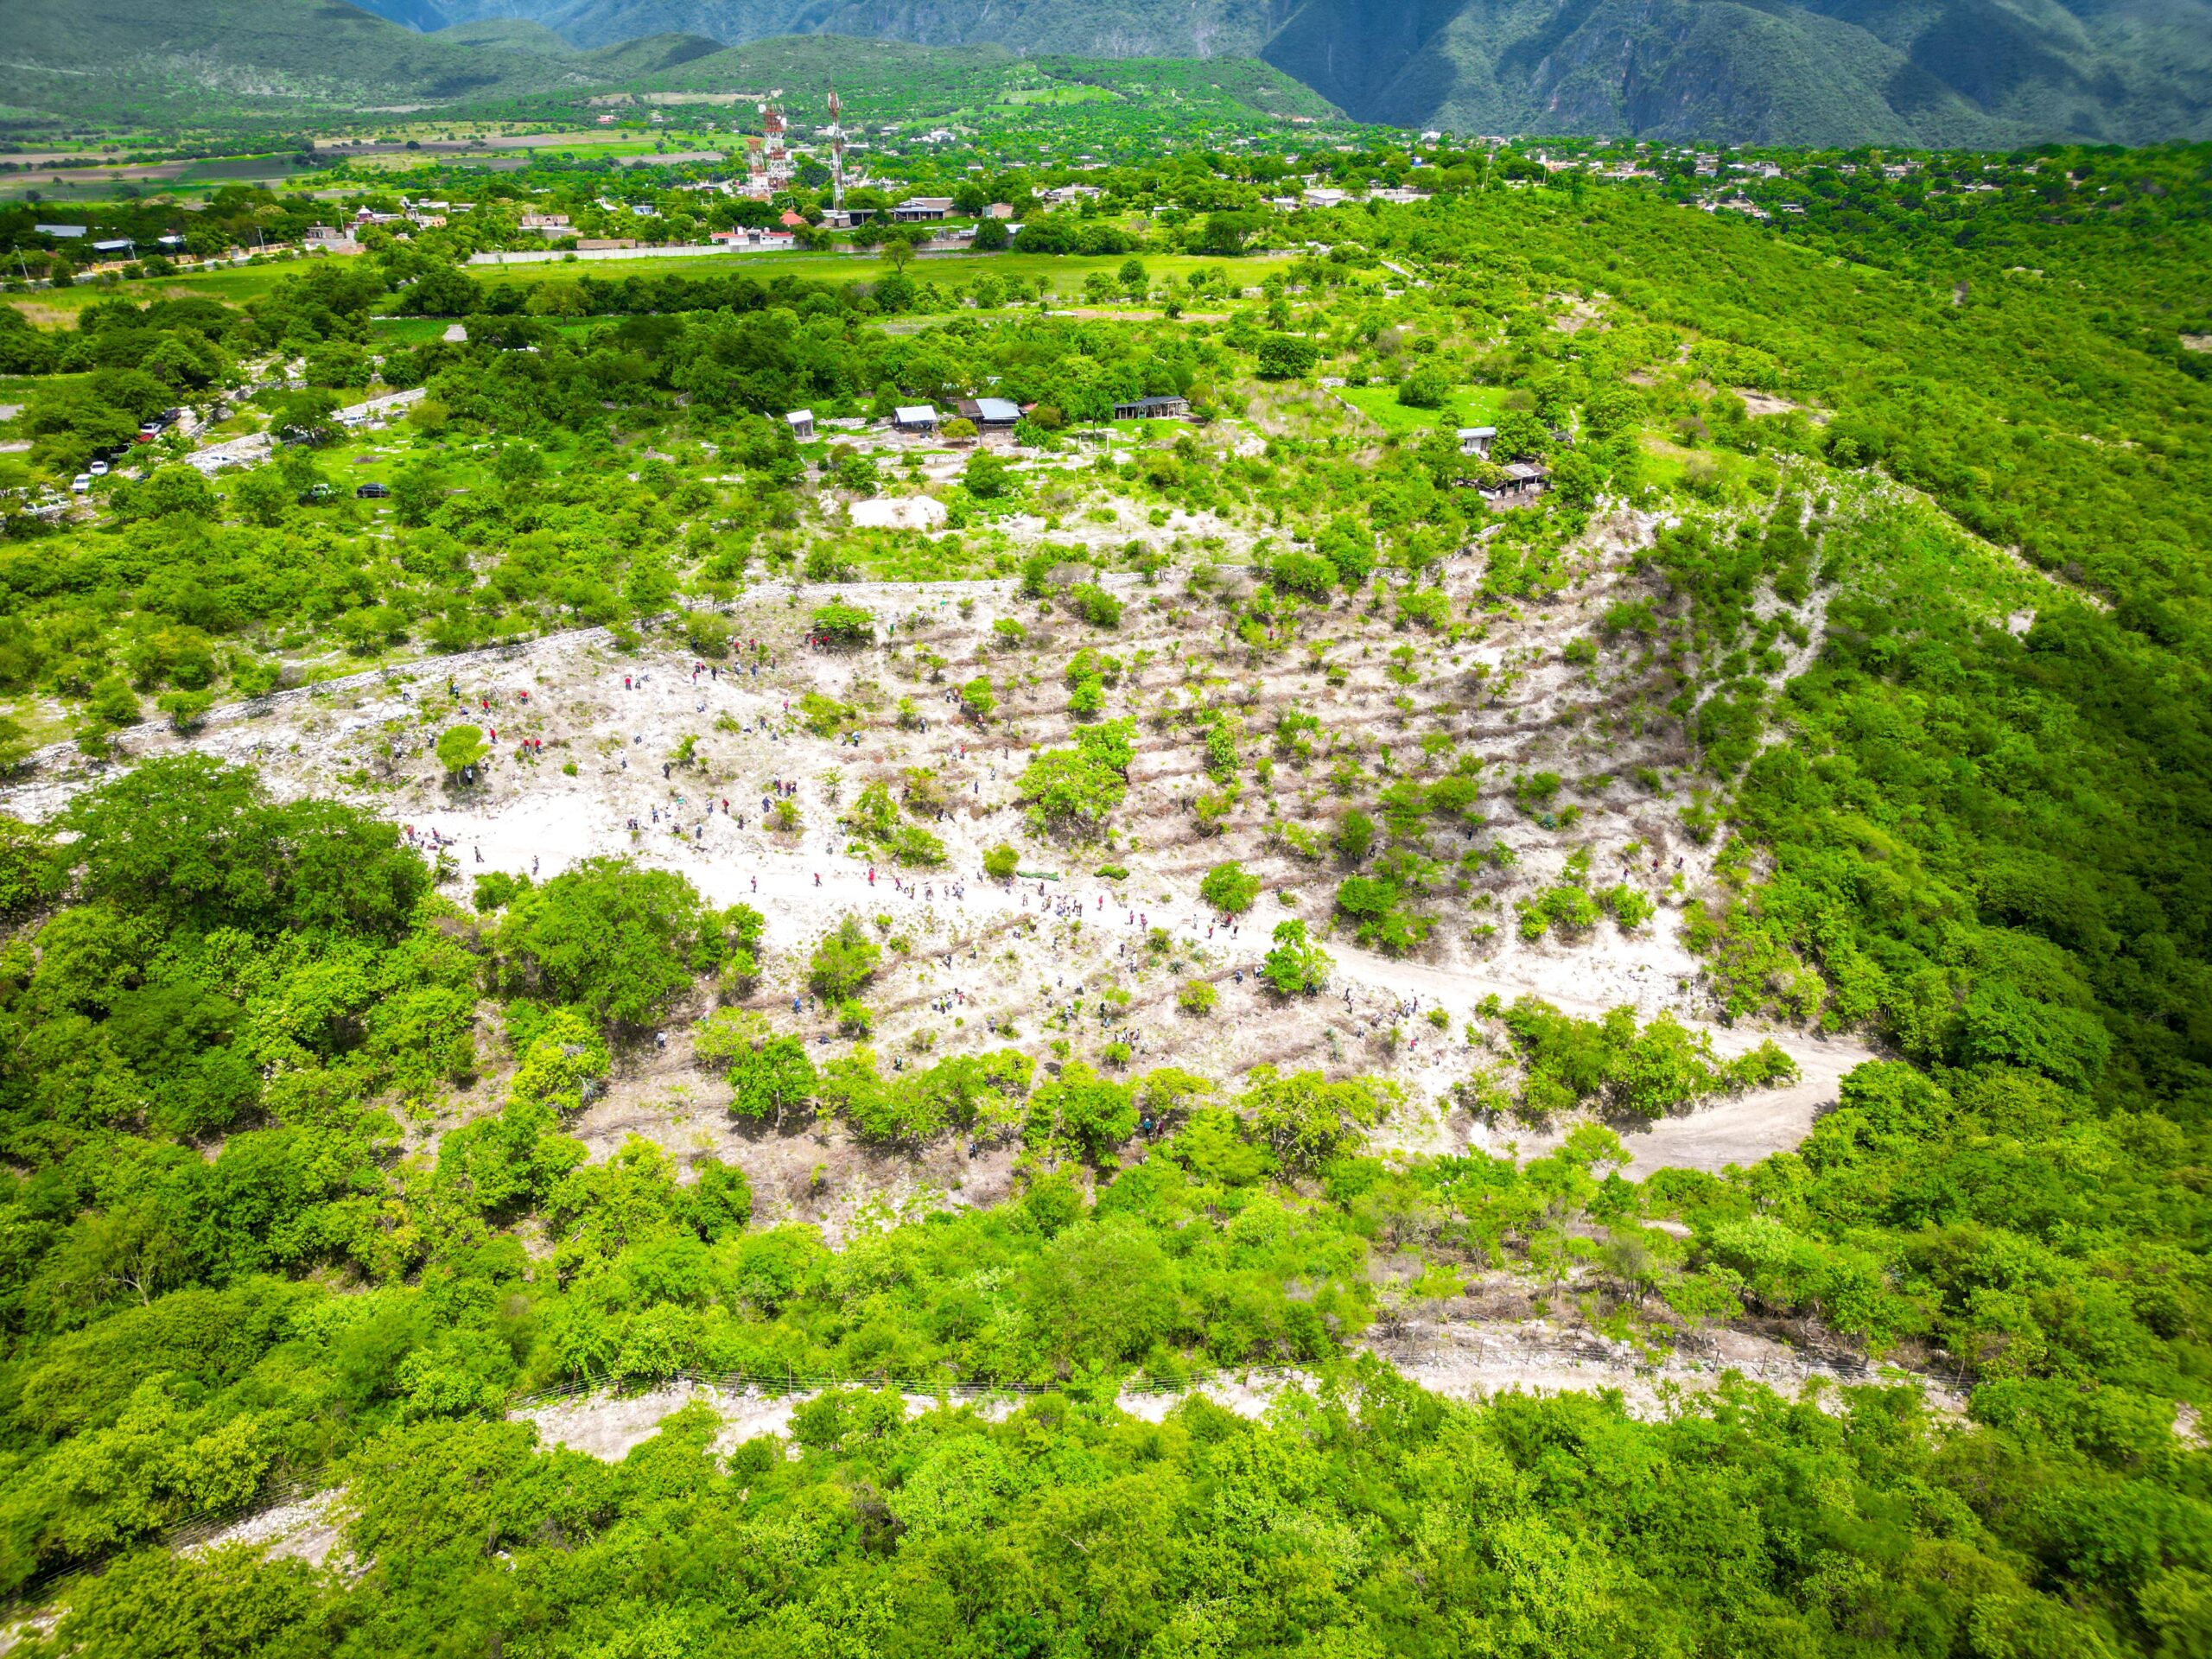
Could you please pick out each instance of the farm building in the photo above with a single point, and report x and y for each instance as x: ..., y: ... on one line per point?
x: 1153, y: 409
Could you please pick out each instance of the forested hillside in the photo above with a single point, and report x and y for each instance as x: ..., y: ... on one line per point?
x: 948, y: 930
x: 1840, y: 72
x: 134, y: 59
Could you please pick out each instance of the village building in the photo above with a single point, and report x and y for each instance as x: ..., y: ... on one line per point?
x: 1524, y: 485
x: 1153, y: 409
x: 990, y: 414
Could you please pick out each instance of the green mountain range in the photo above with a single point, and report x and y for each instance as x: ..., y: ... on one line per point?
x: 134, y: 59
x: 1965, y: 73
x: 1930, y: 72
x: 124, y: 58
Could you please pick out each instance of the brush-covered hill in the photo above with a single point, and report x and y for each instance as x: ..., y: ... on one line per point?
x: 145, y: 57
x: 157, y: 57
x: 1836, y: 72
x: 1918, y: 71
x: 882, y: 78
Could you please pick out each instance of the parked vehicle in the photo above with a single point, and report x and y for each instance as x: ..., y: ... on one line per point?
x: 81, y: 485
x: 372, y: 492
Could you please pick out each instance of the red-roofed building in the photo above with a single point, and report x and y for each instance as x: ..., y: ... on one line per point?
x: 793, y: 221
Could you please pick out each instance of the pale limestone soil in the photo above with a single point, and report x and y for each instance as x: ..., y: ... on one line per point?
x: 965, y: 954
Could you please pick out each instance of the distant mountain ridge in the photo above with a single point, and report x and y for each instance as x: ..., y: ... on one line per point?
x: 1995, y: 73
x: 161, y: 57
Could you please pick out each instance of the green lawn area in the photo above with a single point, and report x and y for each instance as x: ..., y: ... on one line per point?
x: 1666, y: 463
x: 1067, y: 273
x: 233, y: 287
x: 1470, y: 406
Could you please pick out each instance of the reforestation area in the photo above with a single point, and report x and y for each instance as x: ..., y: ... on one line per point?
x: 1474, y: 920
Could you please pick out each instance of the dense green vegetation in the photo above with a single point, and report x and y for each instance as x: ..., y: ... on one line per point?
x: 1922, y: 610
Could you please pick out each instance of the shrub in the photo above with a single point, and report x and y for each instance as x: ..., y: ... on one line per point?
x: 1303, y: 573
x: 826, y: 716
x: 1379, y: 908
x: 912, y: 844
x: 1197, y: 998
x: 1230, y: 887
x: 843, y: 624
x: 708, y: 633
x: 1646, y: 1071
x: 1630, y: 906
x: 845, y: 960
x: 496, y: 889
x: 1533, y: 792
x: 1285, y: 357
x: 1095, y: 605
x: 1427, y: 606
x: 1427, y: 387
x: 1000, y: 862
x: 460, y: 747
x: 987, y: 475
x: 1567, y: 907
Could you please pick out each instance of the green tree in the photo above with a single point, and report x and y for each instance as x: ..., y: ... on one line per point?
x: 987, y: 475
x: 1286, y: 357
x: 460, y: 747
x: 772, y: 1081
x: 618, y: 940
x: 844, y: 625
x: 1296, y: 966
x: 844, y: 961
